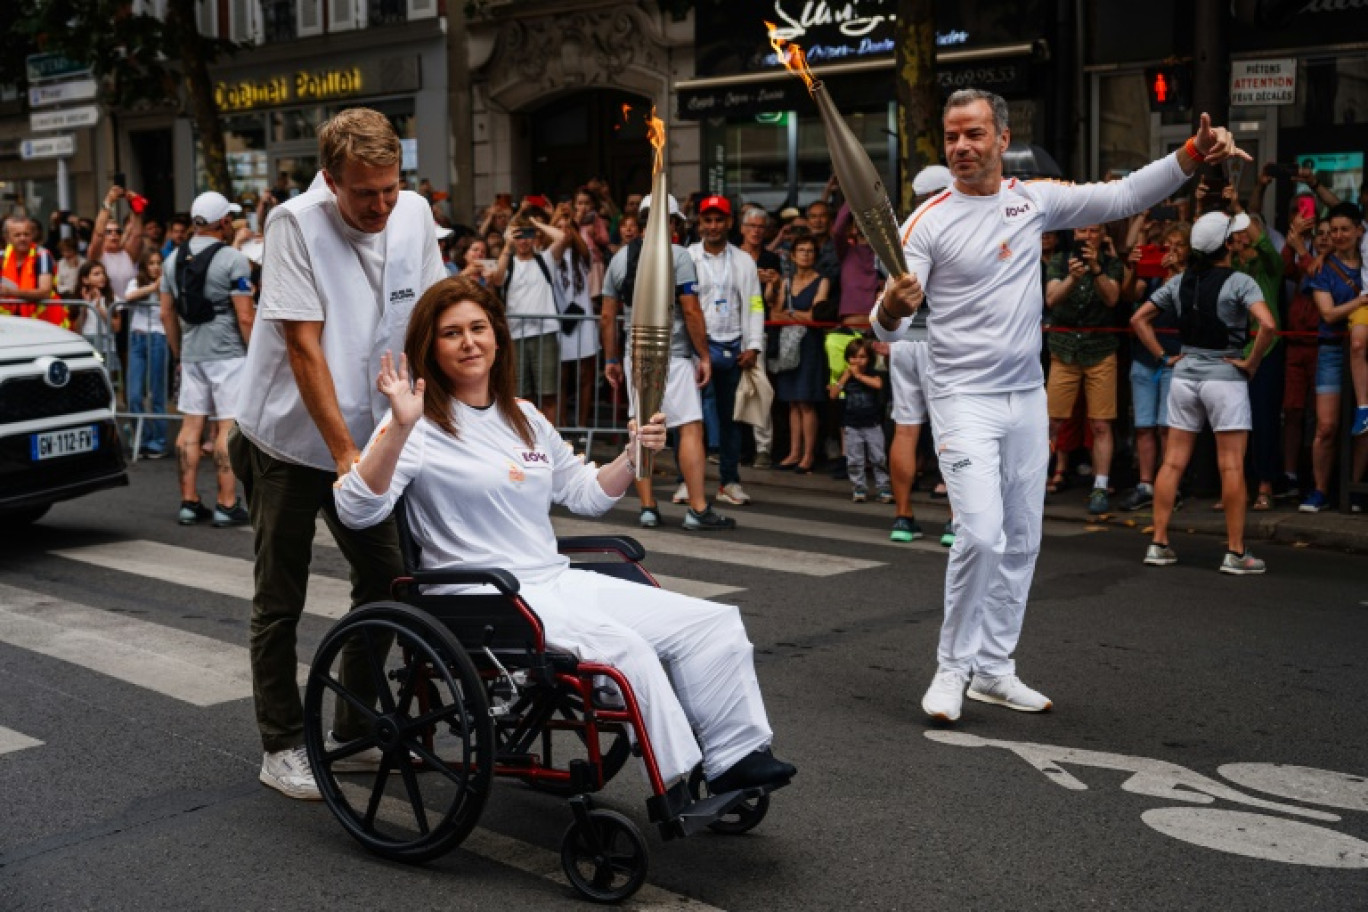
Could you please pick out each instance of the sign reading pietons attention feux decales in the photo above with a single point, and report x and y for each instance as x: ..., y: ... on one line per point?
x: 1263, y: 82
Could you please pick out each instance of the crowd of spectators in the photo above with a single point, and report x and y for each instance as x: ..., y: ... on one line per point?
x: 547, y: 260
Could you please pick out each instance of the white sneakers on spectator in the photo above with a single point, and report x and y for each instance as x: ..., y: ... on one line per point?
x: 945, y: 696
x: 288, y: 772
x: 732, y: 493
x: 681, y: 494
x: 365, y: 761
x: 1008, y: 691
x: 1157, y: 555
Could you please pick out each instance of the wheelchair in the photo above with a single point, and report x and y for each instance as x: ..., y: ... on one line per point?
x: 458, y: 689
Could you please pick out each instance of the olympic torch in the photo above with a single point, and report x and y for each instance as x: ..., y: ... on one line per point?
x: 653, y: 300
x: 860, y: 182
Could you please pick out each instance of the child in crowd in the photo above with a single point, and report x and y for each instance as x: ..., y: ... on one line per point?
x: 862, y: 421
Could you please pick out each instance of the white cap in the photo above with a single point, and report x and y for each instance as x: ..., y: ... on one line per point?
x: 212, y: 207
x: 930, y: 179
x: 1211, y: 231
x: 443, y: 233
x: 674, y: 204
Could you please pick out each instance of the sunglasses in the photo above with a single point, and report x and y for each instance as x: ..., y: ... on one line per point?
x: 525, y: 235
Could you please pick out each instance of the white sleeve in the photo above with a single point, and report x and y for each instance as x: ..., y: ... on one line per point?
x: 574, y: 482
x: 287, y: 285
x: 357, y: 505
x: 1076, y: 205
x: 752, y: 305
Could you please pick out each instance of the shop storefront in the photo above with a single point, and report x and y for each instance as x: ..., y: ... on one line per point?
x: 761, y: 139
x: 271, y: 108
x: 1298, y: 93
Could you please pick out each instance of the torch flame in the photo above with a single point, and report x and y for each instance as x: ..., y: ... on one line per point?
x: 790, y: 55
x: 655, y: 132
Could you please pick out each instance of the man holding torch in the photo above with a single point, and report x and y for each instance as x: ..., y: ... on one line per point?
x: 974, y: 250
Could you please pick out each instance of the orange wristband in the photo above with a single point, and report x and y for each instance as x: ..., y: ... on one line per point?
x: 1190, y: 147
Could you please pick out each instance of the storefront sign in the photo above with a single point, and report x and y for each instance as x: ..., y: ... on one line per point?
x: 65, y: 119
x: 1001, y: 76
x: 304, y: 85
x: 1263, y: 82
x: 41, y: 96
x: 47, y: 147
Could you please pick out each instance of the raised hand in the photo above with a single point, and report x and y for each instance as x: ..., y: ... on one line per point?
x: 406, y: 399
x: 1216, y: 144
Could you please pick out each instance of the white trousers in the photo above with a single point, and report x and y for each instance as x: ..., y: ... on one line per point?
x: 994, y: 450
x: 688, y: 660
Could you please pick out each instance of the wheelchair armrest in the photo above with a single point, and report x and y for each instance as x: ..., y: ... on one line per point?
x: 502, y: 580
x: 628, y: 547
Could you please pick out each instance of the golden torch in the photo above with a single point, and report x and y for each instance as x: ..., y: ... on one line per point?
x: 860, y: 182
x: 653, y: 299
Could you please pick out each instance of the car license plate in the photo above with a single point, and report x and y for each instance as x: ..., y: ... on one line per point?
x: 69, y: 442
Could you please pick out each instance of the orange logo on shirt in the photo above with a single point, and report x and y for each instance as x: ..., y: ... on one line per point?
x: 515, y: 473
x: 1004, y: 252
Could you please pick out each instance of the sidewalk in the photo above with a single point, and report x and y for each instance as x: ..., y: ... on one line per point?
x: 1283, y: 524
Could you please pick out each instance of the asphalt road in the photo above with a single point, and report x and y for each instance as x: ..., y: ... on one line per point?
x: 1207, y: 750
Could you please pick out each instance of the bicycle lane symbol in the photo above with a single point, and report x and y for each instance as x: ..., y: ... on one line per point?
x: 1254, y: 835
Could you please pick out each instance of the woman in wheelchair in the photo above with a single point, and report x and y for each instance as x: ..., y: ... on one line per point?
x: 480, y: 470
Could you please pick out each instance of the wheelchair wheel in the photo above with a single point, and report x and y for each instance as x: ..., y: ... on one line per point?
x: 614, y: 747
x: 604, y: 856
x: 743, y: 818
x: 413, y: 786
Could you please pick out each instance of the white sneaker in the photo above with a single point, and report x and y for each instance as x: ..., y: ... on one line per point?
x: 1008, y: 691
x: 681, y: 494
x: 288, y: 772
x: 366, y: 761
x: 733, y: 494
x: 945, y: 696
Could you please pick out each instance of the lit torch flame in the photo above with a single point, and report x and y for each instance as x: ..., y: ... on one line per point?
x: 655, y: 132
x: 790, y: 55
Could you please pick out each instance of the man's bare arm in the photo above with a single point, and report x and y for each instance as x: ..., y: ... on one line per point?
x: 245, y: 309
x: 304, y: 344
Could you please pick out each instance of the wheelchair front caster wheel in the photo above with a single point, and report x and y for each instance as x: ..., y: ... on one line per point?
x: 743, y: 818
x: 604, y: 856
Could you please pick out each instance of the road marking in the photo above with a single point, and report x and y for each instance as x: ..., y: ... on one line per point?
x: 1301, y: 783
x: 11, y: 741
x: 184, y: 666
x: 1260, y: 836
x: 232, y: 576
x: 724, y: 549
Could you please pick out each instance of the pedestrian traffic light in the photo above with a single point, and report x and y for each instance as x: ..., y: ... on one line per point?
x: 1167, y: 87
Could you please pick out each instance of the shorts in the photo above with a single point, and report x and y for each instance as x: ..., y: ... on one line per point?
x: 1225, y: 403
x: 1149, y: 394
x: 1359, y: 317
x: 1300, y: 375
x: 907, y: 375
x: 1098, y: 383
x: 1330, y: 370
x: 210, y: 388
x: 683, y: 402
x: 538, y: 365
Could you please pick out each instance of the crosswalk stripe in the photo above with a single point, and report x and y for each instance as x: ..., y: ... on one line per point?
x: 232, y: 576
x: 723, y: 548
x: 11, y: 741
x: 185, y: 666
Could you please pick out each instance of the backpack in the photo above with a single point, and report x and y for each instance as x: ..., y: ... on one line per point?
x: 192, y: 269
x: 1199, y: 323
x: 568, y: 327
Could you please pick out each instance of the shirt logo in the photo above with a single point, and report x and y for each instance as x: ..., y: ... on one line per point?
x: 531, y: 456
x: 401, y: 295
x: 1013, y: 212
x: 1004, y: 252
x: 962, y: 464
x: 515, y: 473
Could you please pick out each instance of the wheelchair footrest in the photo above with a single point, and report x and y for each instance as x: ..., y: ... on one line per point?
x: 699, y: 815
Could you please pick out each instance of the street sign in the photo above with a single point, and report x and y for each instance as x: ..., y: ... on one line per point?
x: 42, y: 67
x: 64, y: 119
x: 58, y: 92
x: 47, y: 147
x: 1263, y: 82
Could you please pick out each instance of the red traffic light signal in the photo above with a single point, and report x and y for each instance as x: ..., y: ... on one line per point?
x: 1167, y: 87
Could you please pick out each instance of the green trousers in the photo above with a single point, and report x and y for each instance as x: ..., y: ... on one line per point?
x: 284, y: 500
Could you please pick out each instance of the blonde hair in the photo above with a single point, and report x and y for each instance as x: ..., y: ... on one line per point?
x: 358, y: 134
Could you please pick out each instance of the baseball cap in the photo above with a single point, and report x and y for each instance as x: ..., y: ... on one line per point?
x: 930, y: 179
x: 1210, y: 232
x: 789, y: 213
x: 212, y: 207
x: 715, y: 202
x: 674, y: 204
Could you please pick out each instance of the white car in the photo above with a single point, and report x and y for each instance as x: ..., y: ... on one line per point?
x: 58, y: 437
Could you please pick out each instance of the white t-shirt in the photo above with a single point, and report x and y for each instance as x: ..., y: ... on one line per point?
x: 729, y: 293
x: 146, y: 313
x: 978, y: 259
x: 121, y: 269
x: 482, y: 498
x: 529, y: 295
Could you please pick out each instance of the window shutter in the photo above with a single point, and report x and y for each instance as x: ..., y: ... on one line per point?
x: 242, y: 20
x: 207, y: 18
x: 422, y: 9
x: 341, y: 15
x: 310, y: 13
